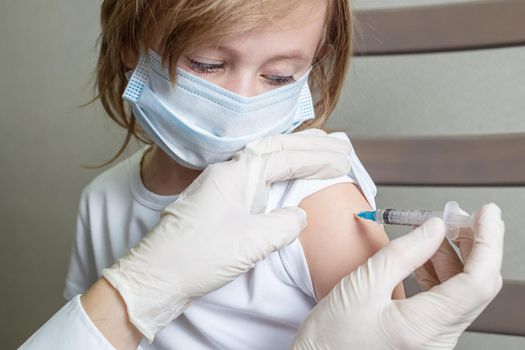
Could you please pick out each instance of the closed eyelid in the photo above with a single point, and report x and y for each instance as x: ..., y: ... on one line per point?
x: 229, y: 52
x: 271, y: 72
x: 203, y: 59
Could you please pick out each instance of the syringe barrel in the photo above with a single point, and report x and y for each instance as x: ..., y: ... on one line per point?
x: 405, y: 217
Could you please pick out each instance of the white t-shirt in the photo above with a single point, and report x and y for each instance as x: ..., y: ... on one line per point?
x: 261, y: 309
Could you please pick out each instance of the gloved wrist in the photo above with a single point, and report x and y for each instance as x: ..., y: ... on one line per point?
x: 151, y: 302
x: 148, y: 316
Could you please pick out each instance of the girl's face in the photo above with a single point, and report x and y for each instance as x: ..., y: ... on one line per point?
x: 263, y: 59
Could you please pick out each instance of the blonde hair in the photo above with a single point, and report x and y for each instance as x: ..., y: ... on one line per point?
x: 130, y: 27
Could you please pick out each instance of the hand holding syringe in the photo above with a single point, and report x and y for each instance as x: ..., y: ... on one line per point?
x: 454, y: 217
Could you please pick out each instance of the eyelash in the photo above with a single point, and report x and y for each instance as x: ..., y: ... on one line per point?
x: 204, y: 68
x: 280, y: 80
x: 208, y: 68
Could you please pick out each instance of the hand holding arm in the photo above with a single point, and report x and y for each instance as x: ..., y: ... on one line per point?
x: 215, y: 231
x: 217, y: 228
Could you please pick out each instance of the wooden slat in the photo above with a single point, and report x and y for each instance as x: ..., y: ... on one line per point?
x: 433, y: 28
x: 504, y: 315
x: 487, y: 160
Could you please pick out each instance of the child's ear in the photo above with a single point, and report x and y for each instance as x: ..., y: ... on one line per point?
x: 129, y: 58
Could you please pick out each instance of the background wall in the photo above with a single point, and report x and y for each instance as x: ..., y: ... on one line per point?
x: 47, y: 56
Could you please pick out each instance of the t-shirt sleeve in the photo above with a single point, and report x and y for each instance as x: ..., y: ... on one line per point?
x: 357, y: 175
x: 82, y: 269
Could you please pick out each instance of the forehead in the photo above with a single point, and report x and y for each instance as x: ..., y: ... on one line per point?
x: 293, y: 35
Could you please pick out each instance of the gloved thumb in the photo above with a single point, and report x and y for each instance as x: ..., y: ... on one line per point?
x: 276, y: 229
x: 403, y: 255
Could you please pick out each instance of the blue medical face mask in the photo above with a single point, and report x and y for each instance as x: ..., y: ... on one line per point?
x: 199, y: 123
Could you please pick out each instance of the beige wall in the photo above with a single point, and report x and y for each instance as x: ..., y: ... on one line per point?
x: 47, y: 55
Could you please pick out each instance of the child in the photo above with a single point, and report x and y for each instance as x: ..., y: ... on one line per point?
x: 203, y: 78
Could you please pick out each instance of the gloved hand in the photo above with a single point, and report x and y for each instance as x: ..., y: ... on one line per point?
x: 217, y: 229
x: 359, y: 313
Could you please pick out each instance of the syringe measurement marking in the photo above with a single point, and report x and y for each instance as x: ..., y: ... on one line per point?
x: 408, y: 217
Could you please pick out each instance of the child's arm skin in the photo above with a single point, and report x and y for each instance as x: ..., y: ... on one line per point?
x: 334, y: 242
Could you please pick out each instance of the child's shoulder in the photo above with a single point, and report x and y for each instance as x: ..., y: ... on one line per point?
x: 333, y: 243
x: 115, y: 180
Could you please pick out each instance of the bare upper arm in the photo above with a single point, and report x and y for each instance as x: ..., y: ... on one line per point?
x: 334, y: 242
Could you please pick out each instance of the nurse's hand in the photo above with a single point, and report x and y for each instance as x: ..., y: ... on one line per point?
x: 217, y: 229
x: 359, y: 312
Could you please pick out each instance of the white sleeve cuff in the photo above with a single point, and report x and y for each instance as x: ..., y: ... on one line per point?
x: 69, y: 328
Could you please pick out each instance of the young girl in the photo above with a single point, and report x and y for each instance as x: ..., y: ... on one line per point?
x: 203, y: 78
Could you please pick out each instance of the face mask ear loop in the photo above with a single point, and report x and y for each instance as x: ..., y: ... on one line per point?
x: 128, y: 74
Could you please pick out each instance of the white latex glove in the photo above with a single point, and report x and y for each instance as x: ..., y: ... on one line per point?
x: 359, y: 313
x: 217, y: 229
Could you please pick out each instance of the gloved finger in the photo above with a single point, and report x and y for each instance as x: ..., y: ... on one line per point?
x: 446, y: 262
x: 426, y: 276
x: 467, y: 293
x: 484, y: 261
x: 312, y: 141
x: 403, y: 255
x: 266, y: 233
x: 464, y: 242
x: 319, y: 164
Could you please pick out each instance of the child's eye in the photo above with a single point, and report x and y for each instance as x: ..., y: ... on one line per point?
x: 204, y: 68
x: 279, y: 79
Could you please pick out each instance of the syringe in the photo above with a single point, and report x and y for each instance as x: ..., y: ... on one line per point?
x: 454, y: 217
